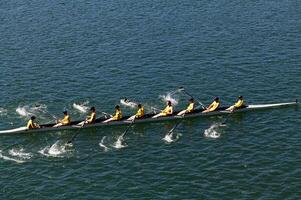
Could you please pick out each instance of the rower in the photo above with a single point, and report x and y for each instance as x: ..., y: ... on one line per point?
x: 139, y: 114
x: 90, y: 119
x: 239, y: 104
x: 65, y: 121
x: 168, y: 110
x: 189, y: 108
x: 213, y: 106
x: 116, y: 117
x: 31, y: 123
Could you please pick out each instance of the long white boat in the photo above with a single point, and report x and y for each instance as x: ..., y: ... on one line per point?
x: 145, y: 119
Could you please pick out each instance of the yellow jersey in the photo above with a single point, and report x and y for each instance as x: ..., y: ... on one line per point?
x: 118, y: 115
x: 31, y: 125
x: 66, y: 120
x: 214, y: 106
x: 239, y: 103
x: 91, y: 118
x: 140, y: 113
x: 190, y: 108
x: 167, y: 111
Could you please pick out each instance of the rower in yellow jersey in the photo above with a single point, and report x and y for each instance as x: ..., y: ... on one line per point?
x: 189, y: 108
x: 213, y: 106
x: 65, y: 121
x: 31, y: 124
x: 139, y: 114
x: 239, y: 104
x: 90, y: 119
x: 168, y: 110
x: 116, y: 117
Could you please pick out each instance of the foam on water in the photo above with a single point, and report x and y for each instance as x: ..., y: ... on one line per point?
x: 20, y: 153
x: 128, y: 104
x: 23, y: 112
x: 3, y: 111
x: 81, y: 107
x: 169, y: 137
x: 213, y: 131
x: 10, y: 159
x: 29, y: 110
x: 55, y: 150
x: 169, y: 97
x: 119, y: 144
x: 101, y: 144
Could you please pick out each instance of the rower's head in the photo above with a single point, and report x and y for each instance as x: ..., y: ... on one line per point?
x: 117, y: 107
x: 33, y: 118
x: 191, y: 100
x: 240, y: 97
x: 65, y: 112
x: 139, y: 105
x: 92, y: 109
x: 216, y: 99
x: 169, y: 103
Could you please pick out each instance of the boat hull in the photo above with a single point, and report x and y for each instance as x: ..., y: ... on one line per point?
x: 147, y: 119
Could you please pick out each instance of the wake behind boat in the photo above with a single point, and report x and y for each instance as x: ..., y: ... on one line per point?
x: 145, y: 119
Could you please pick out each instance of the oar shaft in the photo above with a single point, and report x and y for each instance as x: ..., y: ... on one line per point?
x: 76, y: 134
x: 195, y: 99
x: 128, y: 128
x: 177, y: 124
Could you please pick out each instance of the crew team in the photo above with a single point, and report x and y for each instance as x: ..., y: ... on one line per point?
x: 167, y: 111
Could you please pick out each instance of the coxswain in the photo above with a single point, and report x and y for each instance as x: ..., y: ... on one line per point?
x: 139, y: 114
x: 168, y: 110
x: 116, y: 117
x: 189, y: 109
x: 31, y: 123
x: 65, y: 121
x: 90, y: 119
x: 239, y: 104
x: 213, y: 106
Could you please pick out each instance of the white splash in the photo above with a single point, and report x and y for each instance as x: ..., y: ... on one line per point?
x: 3, y: 111
x: 10, y: 159
x: 128, y: 103
x: 55, y: 150
x: 81, y: 107
x: 119, y: 143
x: 168, y: 97
x: 29, y: 110
x: 213, y: 131
x: 101, y: 144
x: 169, y: 137
x: 22, y: 111
x: 39, y: 107
x: 20, y: 153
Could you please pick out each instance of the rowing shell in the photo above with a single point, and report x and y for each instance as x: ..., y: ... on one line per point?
x: 146, y: 118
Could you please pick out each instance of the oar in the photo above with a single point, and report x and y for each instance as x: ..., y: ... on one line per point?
x: 153, y: 108
x: 128, y: 128
x: 178, y: 90
x: 54, y: 117
x: 176, y: 125
x: 106, y: 114
x: 183, y: 89
x: 76, y: 134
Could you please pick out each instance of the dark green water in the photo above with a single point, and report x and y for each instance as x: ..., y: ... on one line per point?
x: 56, y: 53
